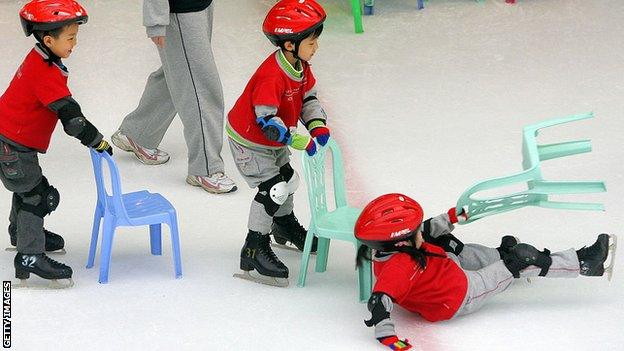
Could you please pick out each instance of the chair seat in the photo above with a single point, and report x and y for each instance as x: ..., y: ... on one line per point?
x: 143, y: 203
x: 338, y: 224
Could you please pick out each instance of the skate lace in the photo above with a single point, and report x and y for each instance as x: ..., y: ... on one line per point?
x: 265, y: 248
x: 53, y: 262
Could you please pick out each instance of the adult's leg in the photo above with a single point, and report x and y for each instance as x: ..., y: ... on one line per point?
x: 195, y: 88
x: 147, y: 124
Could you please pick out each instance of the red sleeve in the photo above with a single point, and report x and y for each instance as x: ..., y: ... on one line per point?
x: 50, y: 85
x: 393, y: 280
x: 267, y: 92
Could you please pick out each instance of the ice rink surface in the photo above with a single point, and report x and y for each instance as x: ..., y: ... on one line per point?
x: 424, y: 102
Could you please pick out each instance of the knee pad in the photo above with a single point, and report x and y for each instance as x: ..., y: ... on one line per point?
x: 272, y: 194
x: 291, y: 177
x: 49, y: 199
x: 523, y: 255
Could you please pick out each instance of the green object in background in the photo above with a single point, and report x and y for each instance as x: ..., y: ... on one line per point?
x: 328, y: 224
x: 538, y: 189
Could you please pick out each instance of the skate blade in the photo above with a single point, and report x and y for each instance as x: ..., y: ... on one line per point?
x: 273, y: 281
x: 57, y: 252
x: 54, y: 284
x: 612, y: 249
x: 288, y: 247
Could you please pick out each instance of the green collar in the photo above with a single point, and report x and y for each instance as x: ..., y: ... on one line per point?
x: 286, y: 66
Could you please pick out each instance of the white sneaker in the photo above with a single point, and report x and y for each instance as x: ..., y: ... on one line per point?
x: 145, y: 155
x: 217, y: 183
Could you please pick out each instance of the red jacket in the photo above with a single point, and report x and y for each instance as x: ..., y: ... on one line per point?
x: 270, y: 86
x: 24, y: 114
x: 435, y: 293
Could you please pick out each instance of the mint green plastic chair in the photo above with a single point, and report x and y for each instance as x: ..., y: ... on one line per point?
x: 327, y: 225
x: 538, y: 189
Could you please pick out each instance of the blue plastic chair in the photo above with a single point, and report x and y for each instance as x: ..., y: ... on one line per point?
x: 538, y: 189
x: 131, y: 209
x: 326, y: 225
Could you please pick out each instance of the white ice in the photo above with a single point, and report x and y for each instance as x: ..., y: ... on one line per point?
x: 424, y: 103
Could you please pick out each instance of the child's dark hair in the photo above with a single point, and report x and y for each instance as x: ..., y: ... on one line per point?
x: 419, y: 255
x: 54, y: 33
x: 312, y: 35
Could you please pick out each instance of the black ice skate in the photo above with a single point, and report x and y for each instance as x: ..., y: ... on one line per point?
x: 44, y: 267
x: 288, y: 230
x: 257, y: 255
x: 592, y: 259
x: 54, y: 243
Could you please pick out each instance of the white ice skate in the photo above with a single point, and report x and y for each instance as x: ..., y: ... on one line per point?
x: 262, y: 279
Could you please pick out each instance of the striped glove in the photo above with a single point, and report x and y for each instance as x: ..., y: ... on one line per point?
x: 302, y: 142
x: 104, y: 146
x: 395, y: 344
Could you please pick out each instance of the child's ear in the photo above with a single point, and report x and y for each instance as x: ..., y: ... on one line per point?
x: 47, y: 40
x: 289, y: 45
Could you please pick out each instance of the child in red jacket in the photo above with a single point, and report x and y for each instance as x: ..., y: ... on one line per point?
x: 423, y: 268
x: 36, y: 99
x: 263, y: 124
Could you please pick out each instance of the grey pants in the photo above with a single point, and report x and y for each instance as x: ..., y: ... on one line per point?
x: 258, y: 165
x: 488, y: 276
x: 20, y: 174
x: 187, y: 84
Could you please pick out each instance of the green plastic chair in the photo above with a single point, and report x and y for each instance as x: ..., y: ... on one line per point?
x: 327, y: 225
x: 538, y: 189
x: 356, y: 9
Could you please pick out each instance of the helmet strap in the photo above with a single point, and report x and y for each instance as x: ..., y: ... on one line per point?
x: 52, y: 58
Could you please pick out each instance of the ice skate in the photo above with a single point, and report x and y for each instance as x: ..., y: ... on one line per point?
x: 593, y: 258
x: 54, y: 243
x: 145, y: 155
x: 257, y: 255
x: 288, y: 232
x: 44, y: 267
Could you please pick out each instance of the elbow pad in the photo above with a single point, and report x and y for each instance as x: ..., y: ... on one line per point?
x: 74, y: 122
x: 380, y: 306
x: 274, y: 129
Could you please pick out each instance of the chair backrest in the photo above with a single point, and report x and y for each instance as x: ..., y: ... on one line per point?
x: 314, y: 173
x: 537, y: 189
x: 114, y: 200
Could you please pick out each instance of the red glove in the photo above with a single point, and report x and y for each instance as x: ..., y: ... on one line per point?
x: 321, y: 134
x: 395, y: 344
x: 457, y: 218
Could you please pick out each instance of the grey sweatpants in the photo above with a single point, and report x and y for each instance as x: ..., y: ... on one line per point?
x: 187, y: 84
x: 20, y: 174
x: 258, y: 165
x: 488, y: 276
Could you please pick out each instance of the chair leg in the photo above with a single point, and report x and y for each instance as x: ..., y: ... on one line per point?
x: 357, y: 15
x: 305, y: 256
x: 97, y: 219
x: 175, y: 246
x: 106, y: 247
x: 322, y: 251
x: 155, y: 239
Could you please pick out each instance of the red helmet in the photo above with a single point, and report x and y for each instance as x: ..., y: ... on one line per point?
x: 47, y: 15
x: 388, y: 219
x: 292, y: 20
